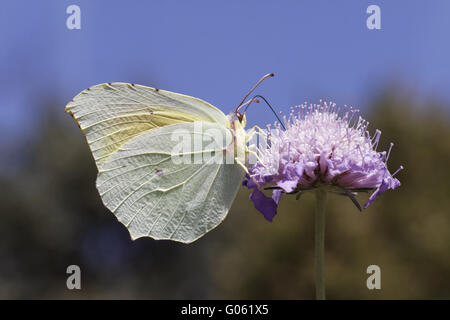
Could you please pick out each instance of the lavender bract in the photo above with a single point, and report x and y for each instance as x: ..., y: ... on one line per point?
x: 321, y: 147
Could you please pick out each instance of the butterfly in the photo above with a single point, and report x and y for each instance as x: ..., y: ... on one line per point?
x: 130, y: 130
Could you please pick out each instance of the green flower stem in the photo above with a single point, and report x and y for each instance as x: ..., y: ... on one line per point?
x: 319, y: 263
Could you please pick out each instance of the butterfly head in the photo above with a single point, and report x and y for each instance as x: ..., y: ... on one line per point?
x: 237, y: 119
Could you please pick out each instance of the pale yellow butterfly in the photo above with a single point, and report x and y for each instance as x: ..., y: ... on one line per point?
x: 130, y: 129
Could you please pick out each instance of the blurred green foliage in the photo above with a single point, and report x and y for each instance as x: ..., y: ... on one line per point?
x: 52, y: 217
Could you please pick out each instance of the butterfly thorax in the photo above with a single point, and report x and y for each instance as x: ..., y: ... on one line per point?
x: 237, y: 124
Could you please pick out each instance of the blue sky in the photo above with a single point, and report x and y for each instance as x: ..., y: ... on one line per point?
x: 216, y: 50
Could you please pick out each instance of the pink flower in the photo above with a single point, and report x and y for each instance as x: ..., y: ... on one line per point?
x: 321, y: 147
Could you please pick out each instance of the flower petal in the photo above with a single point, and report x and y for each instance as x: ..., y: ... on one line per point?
x: 267, y: 206
x: 388, y: 183
x: 276, y: 195
x: 288, y: 185
x: 249, y: 182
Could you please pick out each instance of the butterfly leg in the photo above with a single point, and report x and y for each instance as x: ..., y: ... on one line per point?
x: 239, y: 162
x: 254, y: 153
x: 255, y: 131
x: 249, y: 136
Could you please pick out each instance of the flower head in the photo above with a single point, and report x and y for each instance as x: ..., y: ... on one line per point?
x: 321, y: 147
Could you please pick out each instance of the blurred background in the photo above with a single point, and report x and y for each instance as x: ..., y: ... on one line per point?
x: 51, y: 215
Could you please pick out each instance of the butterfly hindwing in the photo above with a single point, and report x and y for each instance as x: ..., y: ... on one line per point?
x: 133, y: 132
x: 152, y: 191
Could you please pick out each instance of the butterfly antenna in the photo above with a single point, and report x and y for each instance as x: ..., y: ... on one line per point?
x: 254, y: 87
x: 249, y: 102
x: 268, y: 104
